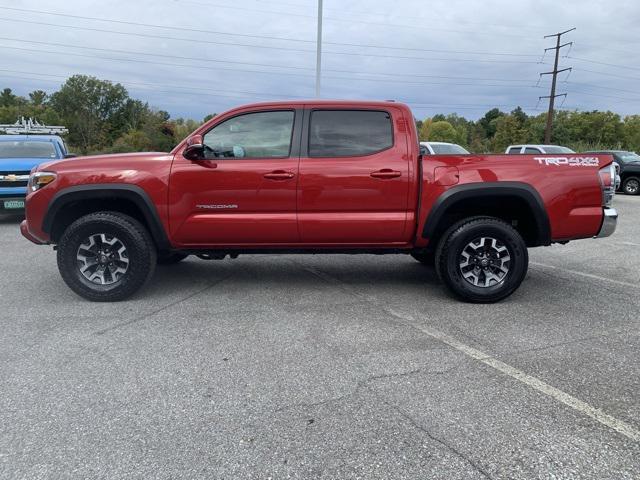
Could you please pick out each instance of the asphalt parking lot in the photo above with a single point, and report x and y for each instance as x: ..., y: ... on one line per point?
x: 324, y: 367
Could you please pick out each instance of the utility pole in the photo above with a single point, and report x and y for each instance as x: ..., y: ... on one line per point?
x: 552, y: 97
x: 319, y: 49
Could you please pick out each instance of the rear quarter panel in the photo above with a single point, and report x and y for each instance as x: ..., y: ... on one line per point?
x: 571, y: 192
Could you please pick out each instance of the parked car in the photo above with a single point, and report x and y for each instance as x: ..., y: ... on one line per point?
x: 313, y: 177
x: 441, y: 148
x: 536, y: 149
x: 18, y: 155
x: 629, y: 163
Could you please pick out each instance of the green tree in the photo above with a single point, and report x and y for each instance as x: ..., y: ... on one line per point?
x: 7, y: 98
x: 631, y: 132
x: 442, y: 131
x: 92, y: 110
x: 38, y: 97
x: 487, y: 124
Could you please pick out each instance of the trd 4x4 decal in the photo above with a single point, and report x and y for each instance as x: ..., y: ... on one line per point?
x: 571, y: 161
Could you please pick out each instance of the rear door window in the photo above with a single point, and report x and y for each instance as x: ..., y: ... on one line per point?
x: 345, y: 133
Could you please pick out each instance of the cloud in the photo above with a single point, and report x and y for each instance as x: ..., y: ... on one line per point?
x: 204, y: 56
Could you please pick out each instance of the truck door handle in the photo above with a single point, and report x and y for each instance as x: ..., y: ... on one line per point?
x: 386, y: 173
x: 207, y: 163
x: 279, y: 175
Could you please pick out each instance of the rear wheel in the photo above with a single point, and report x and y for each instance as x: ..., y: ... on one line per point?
x: 106, y: 256
x: 482, y: 259
x: 631, y: 186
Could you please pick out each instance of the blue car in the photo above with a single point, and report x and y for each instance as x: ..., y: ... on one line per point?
x: 18, y: 155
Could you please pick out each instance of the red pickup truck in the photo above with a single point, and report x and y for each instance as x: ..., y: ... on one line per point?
x: 313, y: 177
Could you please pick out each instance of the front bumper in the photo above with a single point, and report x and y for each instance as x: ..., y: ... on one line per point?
x: 24, y: 230
x: 609, y: 222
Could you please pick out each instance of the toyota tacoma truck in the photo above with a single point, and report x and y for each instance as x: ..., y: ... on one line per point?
x: 313, y: 177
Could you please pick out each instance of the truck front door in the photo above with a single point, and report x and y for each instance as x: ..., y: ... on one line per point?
x: 243, y: 192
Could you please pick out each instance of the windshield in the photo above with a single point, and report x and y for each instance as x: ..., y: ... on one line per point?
x: 630, y: 157
x: 557, y: 149
x: 27, y: 150
x: 439, y: 148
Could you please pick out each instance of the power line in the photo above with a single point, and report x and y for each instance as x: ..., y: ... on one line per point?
x: 200, y: 67
x: 345, y: 19
x: 607, y: 74
x: 626, y: 67
x: 554, y: 73
x: 148, y: 35
x: 590, y: 85
x: 268, y: 47
x: 129, y: 82
x: 152, y: 25
x: 159, y: 55
x: 288, y: 39
x: 602, y: 95
x: 204, y: 59
x: 241, y: 94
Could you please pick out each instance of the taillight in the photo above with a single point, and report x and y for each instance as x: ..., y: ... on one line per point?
x: 608, y: 183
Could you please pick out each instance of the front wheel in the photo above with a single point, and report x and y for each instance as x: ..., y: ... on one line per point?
x: 631, y: 186
x: 106, y: 256
x: 482, y: 259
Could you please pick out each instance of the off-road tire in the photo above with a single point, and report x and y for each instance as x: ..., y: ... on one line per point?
x: 140, y: 254
x: 459, y: 237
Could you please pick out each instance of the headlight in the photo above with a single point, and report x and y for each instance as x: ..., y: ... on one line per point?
x: 40, y: 179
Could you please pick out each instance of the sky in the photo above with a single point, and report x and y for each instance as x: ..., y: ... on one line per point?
x: 195, y: 57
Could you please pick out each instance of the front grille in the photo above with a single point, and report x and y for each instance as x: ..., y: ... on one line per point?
x: 14, y: 179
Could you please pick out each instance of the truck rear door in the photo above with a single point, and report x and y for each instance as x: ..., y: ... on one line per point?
x: 354, y: 177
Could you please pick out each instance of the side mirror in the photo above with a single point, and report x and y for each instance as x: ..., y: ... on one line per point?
x: 70, y: 155
x: 195, y: 148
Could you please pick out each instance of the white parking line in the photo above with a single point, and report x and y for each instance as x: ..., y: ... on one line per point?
x: 587, y: 275
x: 535, y: 383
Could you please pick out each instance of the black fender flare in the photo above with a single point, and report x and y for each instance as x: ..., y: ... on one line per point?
x: 467, y: 191
x: 132, y: 193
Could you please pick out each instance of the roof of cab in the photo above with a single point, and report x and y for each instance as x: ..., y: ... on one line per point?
x: 316, y: 102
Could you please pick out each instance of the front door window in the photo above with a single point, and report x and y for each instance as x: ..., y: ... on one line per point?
x: 252, y: 135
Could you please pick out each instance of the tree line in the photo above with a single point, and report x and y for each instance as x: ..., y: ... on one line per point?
x: 493, y: 132
x: 103, y: 118
x: 100, y: 115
